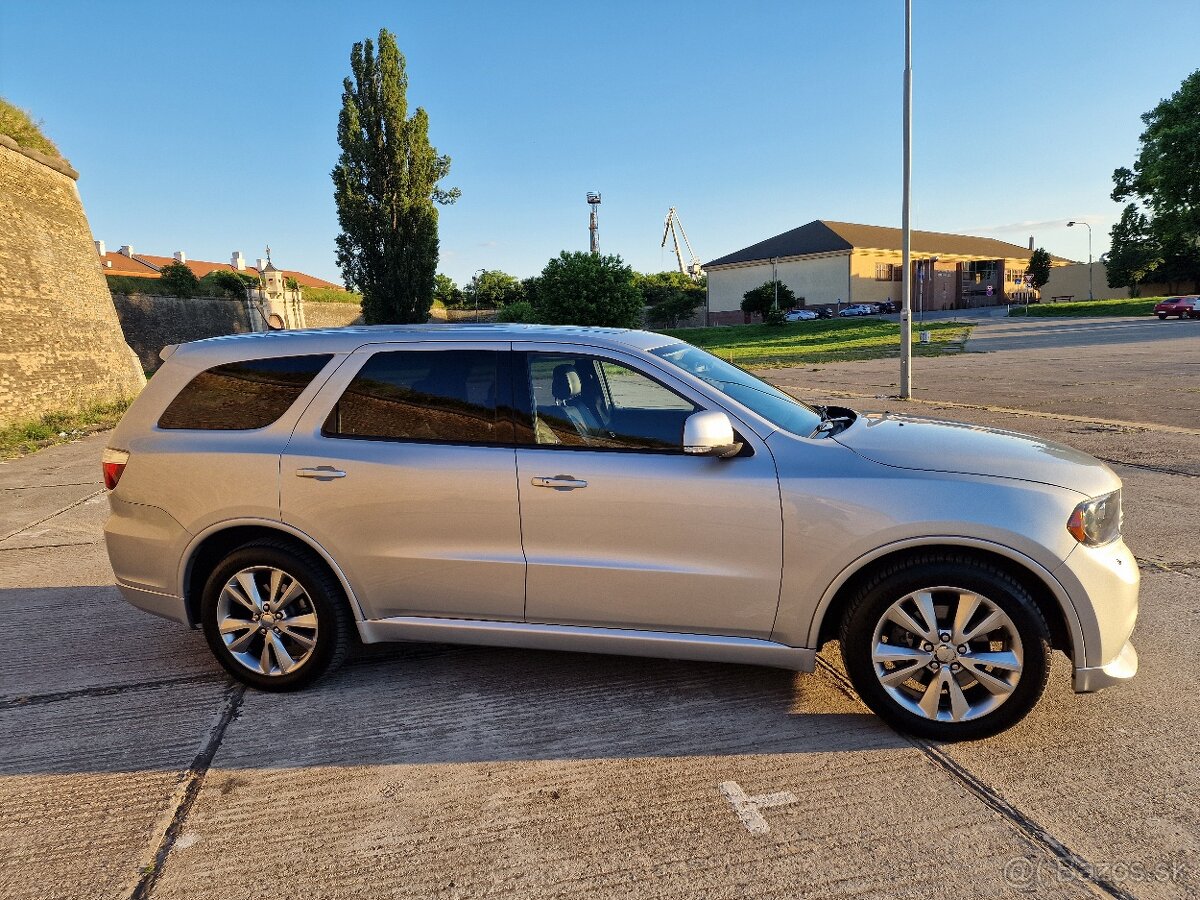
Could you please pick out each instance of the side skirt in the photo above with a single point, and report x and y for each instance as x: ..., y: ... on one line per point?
x: 585, y: 639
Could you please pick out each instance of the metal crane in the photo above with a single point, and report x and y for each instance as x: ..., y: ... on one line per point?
x: 674, y: 227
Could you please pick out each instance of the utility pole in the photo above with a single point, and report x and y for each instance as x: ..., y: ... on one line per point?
x: 906, y: 285
x: 594, y: 223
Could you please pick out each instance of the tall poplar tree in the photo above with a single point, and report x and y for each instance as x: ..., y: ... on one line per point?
x: 385, y: 187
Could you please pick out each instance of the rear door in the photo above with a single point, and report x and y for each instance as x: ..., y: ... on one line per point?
x: 403, y: 468
x: 621, y: 528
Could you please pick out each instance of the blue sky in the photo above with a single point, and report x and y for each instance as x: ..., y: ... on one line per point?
x: 211, y: 127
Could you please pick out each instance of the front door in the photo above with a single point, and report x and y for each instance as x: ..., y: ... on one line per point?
x: 621, y: 529
x: 403, y: 468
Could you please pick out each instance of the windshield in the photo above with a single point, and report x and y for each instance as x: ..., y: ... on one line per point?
x: 771, y: 403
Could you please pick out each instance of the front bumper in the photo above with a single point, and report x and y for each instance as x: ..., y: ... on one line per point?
x: 1124, y: 667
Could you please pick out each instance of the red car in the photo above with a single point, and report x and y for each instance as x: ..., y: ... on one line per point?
x: 1184, y: 307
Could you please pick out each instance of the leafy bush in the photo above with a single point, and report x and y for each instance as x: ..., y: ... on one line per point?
x: 582, y: 288
x: 130, y: 284
x: 227, y: 283
x: 492, y: 289
x: 520, y: 312
x: 670, y: 296
x: 179, y: 280
x: 330, y: 295
x: 20, y: 126
x: 445, y: 291
x: 769, y: 300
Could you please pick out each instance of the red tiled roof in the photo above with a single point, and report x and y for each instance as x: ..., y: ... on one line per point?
x: 143, y: 265
x: 120, y: 264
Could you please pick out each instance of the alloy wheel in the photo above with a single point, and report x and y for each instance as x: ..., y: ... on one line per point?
x: 267, y: 620
x: 947, y: 654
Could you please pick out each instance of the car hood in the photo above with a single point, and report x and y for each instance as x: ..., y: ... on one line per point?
x: 935, y: 446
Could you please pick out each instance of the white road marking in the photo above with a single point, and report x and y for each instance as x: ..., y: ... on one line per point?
x: 747, y: 807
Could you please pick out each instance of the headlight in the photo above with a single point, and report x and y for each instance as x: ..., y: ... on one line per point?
x: 1098, y: 521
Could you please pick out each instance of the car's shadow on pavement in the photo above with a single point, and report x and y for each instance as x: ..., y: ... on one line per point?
x: 418, y: 703
x: 93, y: 685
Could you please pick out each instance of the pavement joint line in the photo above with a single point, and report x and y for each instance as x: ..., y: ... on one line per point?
x: 1161, y: 470
x: 188, y: 790
x: 983, y: 407
x: 51, y: 546
x: 42, y: 487
x: 1163, y: 567
x: 69, y: 506
x: 1035, y: 833
x: 25, y: 700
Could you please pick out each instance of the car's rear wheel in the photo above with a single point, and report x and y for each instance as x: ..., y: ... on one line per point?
x: 274, y: 617
x: 1162, y: 316
x: 946, y: 648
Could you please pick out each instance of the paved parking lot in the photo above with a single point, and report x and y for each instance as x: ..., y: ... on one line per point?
x: 131, y: 767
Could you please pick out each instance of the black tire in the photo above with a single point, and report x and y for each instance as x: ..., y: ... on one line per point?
x: 325, y: 598
x: 1162, y: 317
x: 875, y: 597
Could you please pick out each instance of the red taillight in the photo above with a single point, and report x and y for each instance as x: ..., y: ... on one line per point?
x: 113, y: 463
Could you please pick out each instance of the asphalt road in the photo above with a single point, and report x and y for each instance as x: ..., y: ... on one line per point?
x: 132, y: 768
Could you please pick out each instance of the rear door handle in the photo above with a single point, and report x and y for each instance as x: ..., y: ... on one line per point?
x: 558, y: 482
x: 321, y: 473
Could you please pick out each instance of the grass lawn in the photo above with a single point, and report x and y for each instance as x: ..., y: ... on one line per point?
x: 1140, y: 306
x: 819, y: 341
x: 58, y: 428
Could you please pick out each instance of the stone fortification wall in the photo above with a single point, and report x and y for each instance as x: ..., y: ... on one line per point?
x: 61, y: 346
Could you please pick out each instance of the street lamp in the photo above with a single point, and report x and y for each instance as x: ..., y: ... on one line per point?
x: 1091, y: 296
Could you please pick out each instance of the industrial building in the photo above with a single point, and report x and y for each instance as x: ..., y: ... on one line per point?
x: 837, y: 263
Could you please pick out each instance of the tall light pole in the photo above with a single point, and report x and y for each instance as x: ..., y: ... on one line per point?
x: 1091, y: 296
x: 906, y: 284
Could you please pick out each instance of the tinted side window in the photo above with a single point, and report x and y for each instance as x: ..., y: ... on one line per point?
x: 243, y: 395
x: 588, y: 402
x: 454, y: 396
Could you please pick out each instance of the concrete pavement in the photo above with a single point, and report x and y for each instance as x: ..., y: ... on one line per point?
x: 132, y: 768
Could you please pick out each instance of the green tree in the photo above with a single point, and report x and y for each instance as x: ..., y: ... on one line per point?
x: 582, y: 288
x: 386, y: 188
x: 179, y: 280
x: 1135, y: 252
x: 1039, y: 267
x: 446, y: 291
x: 493, y: 289
x: 1165, y: 183
x: 762, y: 300
x: 671, y: 296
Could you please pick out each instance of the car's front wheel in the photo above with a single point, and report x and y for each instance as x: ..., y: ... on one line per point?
x: 946, y: 647
x: 274, y: 617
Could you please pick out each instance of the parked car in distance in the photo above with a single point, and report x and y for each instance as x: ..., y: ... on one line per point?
x: 887, y: 306
x: 608, y: 491
x: 857, y: 309
x: 799, y: 315
x: 1184, y: 307
x: 824, y: 312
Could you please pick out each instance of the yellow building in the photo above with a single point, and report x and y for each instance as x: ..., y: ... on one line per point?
x: 837, y: 263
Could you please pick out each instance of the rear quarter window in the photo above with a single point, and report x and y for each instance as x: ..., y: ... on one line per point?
x: 243, y: 395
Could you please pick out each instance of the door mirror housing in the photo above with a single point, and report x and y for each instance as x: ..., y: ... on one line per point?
x: 710, y: 433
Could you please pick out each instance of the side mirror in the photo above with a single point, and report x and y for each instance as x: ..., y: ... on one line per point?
x: 710, y: 433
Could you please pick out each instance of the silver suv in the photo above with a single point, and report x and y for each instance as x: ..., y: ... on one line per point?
x: 607, y: 491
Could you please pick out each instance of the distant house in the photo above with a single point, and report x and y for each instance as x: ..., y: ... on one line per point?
x: 827, y: 262
x: 140, y: 265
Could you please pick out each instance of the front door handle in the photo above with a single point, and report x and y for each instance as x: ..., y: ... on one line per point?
x: 559, y: 482
x: 321, y: 473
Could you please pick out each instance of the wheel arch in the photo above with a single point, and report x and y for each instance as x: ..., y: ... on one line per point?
x: 214, y: 543
x: 1066, y: 632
